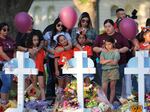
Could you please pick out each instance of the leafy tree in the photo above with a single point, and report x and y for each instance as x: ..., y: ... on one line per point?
x: 9, y: 8
x: 87, y: 6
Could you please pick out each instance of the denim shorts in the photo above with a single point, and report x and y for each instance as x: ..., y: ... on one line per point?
x: 6, y: 82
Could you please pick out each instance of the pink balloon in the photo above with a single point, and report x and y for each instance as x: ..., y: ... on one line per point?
x: 128, y: 28
x: 68, y: 16
x: 22, y: 22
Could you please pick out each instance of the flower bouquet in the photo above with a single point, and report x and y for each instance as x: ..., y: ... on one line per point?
x: 94, y: 99
x: 38, y: 105
x: 2, y: 108
x: 10, y: 104
x: 147, y: 97
x: 32, y: 101
x: 131, y: 102
x: 32, y: 93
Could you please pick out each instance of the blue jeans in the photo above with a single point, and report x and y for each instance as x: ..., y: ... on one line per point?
x: 6, y: 82
x: 121, y: 78
x: 128, y: 85
x: 134, y: 83
x: 98, y: 75
x: 147, y: 83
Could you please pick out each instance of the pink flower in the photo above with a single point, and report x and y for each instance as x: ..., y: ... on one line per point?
x: 95, y: 109
x: 65, y: 104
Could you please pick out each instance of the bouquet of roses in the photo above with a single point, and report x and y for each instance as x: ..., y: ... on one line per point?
x: 92, y: 98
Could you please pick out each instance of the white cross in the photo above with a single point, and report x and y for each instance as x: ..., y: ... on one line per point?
x: 79, y: 70
x: 22, y: 60
x: 140, y: 71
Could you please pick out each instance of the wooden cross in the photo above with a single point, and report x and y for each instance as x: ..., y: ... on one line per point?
x: 25, y: 66
x: 137, y: 66
x: 81, y: 60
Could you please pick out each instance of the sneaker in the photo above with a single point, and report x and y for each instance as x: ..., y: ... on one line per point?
x: 115, y: 105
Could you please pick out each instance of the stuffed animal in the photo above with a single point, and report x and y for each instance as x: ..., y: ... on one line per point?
x: 66, y: 65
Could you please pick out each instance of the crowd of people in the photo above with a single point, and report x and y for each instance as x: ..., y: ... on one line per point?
x: 110, y: 52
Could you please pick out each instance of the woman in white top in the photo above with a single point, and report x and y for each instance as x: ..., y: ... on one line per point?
x: 50, y: 42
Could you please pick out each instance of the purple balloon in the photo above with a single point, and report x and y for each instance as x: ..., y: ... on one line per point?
x: 22, y: 22
x: 128, y: 28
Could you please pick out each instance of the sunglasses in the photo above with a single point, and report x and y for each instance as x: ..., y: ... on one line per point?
x: 59, y: 25
x: 7, y: 29
x: 145, y: 28
x: 84, y: 20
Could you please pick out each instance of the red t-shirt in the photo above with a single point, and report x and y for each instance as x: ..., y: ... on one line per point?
x: 68, y: 54
x: 85, y: 48
x: 39, y: 60
x: 8, y: 45
x: 144, y: 46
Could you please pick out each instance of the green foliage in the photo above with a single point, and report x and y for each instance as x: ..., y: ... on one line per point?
x: 84, y: 1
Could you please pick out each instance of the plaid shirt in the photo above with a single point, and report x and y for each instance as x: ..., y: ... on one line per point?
x: 90, y: 33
